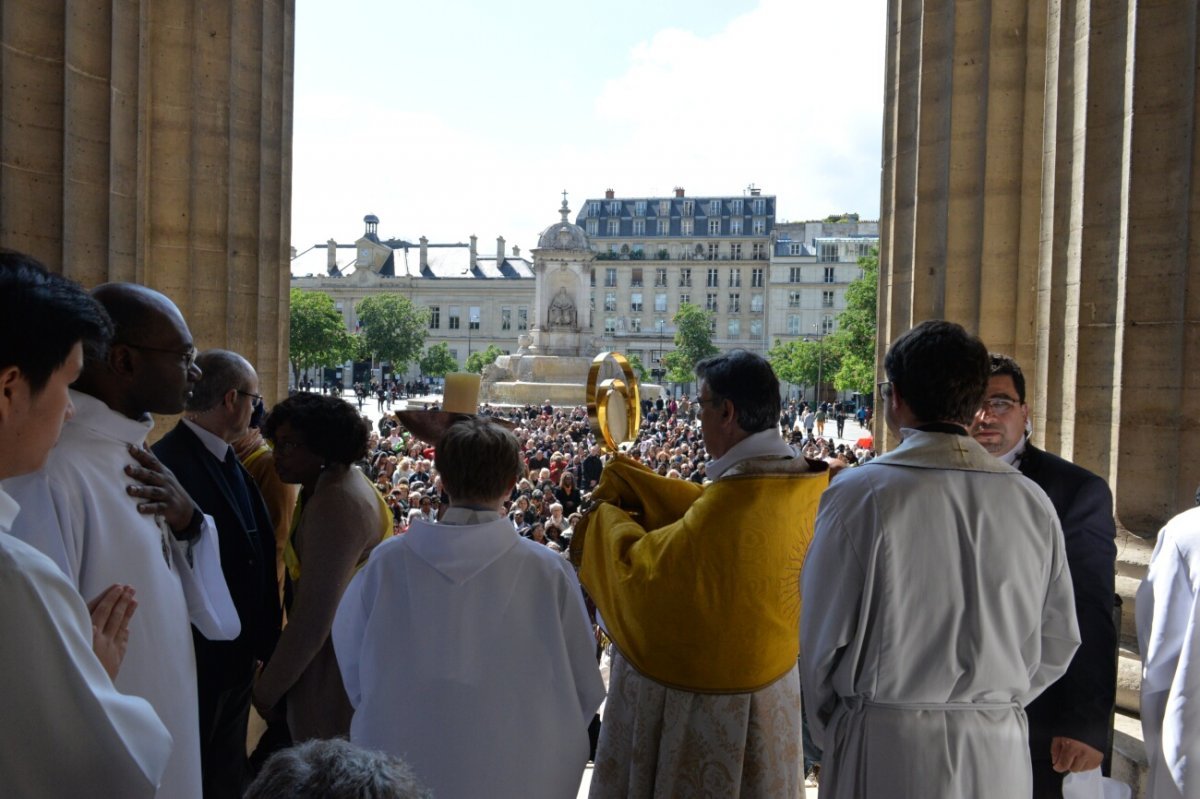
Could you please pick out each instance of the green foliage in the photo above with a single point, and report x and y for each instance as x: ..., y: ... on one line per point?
x: 805, y: 363
x: 639, y: 368
x: 693, y: 343
x: 437, y: 361
x: 393, y: 328
x: 856, y: 335
x: 477, y: 361
x: 358, y: 348
x: 318, y: 335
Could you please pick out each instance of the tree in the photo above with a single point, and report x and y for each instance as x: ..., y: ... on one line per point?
x: 477, y: 361
x: 318, y: 334
x: 393, y: 329
x: 805, y: 362
x: 856, y: 334
x: 437, y: 361
x: 693, y: 342
x: 639, y: 368
x: 359, y: 351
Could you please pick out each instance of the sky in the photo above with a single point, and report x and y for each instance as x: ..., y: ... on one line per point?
x: 460, y: 117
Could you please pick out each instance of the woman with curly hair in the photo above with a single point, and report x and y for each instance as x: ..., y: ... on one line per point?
x: 339, y: 518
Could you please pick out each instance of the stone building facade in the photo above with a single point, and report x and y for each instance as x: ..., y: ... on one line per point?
x: 474, y: 300
x: 655, y: 253
x: 812, y: 264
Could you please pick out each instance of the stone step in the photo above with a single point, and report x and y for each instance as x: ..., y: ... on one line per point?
x: 1133, y: 554
x: 1129, y: 754
x: 1127, y: 588
x: 1129, y: 681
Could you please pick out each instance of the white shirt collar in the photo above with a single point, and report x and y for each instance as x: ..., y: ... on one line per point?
x: 8, y: 511
x: 212, y: 442
x: 756, y: 445
x: 1013, y: 456
x: 94, y: 414
x: 465, y: 516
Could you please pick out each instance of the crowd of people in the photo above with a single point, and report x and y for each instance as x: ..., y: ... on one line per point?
x: 564, y: 463
x: 439, y: 589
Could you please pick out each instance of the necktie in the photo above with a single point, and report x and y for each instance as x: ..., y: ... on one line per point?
x: 237, y: 484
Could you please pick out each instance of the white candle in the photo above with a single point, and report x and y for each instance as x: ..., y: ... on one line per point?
x: 462, y: 393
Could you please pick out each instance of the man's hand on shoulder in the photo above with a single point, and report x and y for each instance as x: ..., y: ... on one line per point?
x: 1067, y: 754
x: 162, y: 494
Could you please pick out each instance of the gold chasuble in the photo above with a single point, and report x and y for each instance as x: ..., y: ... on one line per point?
x: 699, y: 587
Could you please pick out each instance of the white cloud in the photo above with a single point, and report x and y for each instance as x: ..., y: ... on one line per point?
x: 788, y: 96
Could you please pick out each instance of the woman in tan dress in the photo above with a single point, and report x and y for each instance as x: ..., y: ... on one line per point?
x: 339, y: 518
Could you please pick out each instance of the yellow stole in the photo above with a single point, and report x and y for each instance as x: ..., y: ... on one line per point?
x: 290, y: 557
x: 700, y: 586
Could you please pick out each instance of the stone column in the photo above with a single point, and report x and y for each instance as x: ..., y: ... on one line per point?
x: 152, y: 142
x: 1039, y: 184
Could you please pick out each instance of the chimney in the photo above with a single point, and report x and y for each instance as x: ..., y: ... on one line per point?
x: 424, y: 253
x: 609, y: 194
x: 499, y: 251
x: 516, y: 251
x: 755, y: 191
x: 473, y: 240
x: 679, y: 191
x: 331, y: 261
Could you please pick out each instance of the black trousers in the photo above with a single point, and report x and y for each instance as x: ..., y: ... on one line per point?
x: 224, y: 714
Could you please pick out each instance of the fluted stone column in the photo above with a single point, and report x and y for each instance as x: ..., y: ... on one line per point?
x: 1039, y: 186
x: 152, y: 142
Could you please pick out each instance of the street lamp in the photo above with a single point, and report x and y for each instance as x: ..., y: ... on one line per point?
x: 472, y: 320
x: 820, y: 337
x: 820, y: 365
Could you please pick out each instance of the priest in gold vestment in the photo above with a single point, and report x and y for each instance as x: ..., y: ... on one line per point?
x: 698, y: 587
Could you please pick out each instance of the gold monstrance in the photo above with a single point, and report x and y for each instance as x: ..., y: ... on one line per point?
x: 613, y: 403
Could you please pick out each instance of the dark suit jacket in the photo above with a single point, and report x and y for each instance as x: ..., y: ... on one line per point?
x: 247, y: 559
x: 1079, y: 705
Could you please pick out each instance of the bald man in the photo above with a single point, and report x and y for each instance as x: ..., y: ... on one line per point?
x: 106, y: 511
x: 200, y: 454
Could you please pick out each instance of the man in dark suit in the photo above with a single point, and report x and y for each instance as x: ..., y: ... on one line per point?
x: 198, y: 452
x: 1069, y: 723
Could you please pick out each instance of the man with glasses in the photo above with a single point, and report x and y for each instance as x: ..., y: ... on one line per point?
x: 1069, y: 723
x: 200, y: 454
x: 936, y: 596
x: 107, y: 511
x: 698, y: 590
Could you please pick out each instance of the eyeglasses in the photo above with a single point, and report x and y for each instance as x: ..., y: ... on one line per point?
x: 998, y: 406
x: 885, y: 388
x: 188, y: 355
x: 256, y: 397
x: 287, y: 447
x: 714, y: 401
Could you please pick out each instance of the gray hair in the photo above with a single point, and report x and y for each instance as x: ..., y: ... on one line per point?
x: 224, y: 371
x: 335, y: 769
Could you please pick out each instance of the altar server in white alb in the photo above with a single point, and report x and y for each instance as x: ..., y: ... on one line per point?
x: 466, y: 649
x: 64, y: 729
x: 937, y: 601
x: 1168, y: 624
x: 106, y: 511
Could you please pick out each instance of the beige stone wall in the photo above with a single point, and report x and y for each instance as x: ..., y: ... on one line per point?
x: 152, y: 142
x: 1039, y: 186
